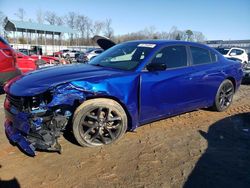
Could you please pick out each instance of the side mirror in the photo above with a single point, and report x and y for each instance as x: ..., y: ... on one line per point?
x: 156, y: 67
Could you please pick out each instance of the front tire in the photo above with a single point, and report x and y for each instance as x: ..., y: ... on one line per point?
x: 97, y: 122
x: 224, y: 96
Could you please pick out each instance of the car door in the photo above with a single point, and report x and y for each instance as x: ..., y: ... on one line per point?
x: 171, y: 91
x: 208, y: 74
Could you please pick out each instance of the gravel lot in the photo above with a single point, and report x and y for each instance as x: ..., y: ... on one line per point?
x: 196, y: 149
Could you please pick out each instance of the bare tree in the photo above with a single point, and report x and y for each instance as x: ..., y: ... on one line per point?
x: 40, y: 16
x: 20, y: 14
x: 198, y: 36
x: 81, y: 26
x: 97, y: 27
x: 71, y: 18
x: 149, y: 32
x: 59, y: 20
x: 89, y: 25
x: 51, y: 17
x: 108, y: 30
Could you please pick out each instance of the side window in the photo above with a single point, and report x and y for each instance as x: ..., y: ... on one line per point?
x: 214, y: 57
x: 239, y: 52
x: 200, y: 55
x: 233, y: 52
x: 172, y: 56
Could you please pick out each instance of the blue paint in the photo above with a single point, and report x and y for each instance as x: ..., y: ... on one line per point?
x: 17, y: 137
x: 37, y: 123
x: 66, y: 94
x: 21, y: 122
x: 146, y: 96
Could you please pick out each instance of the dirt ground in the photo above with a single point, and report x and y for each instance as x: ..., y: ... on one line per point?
x: 196, y: 149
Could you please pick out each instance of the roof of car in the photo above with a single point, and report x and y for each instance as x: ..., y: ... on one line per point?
x: 174, y: 42
x: 164, y: 42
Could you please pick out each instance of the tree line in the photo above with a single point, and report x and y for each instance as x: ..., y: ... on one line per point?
x: 86, y: 28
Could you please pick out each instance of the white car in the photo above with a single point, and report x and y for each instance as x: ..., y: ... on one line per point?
x: 237, y: 53
x: 90, y: 54
x: 70, y: 54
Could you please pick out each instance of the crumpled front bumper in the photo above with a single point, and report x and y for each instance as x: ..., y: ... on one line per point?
x: 17, y: 129
x: 17, y: 137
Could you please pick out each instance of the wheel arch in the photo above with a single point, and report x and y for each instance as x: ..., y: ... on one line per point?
x: 232, y: 79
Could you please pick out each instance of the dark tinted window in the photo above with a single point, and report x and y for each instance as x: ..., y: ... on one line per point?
x: 239, y: 52
x: 98, y: 51
x: 200, y: 56
x: 173, y: 56
x: 222, y: 51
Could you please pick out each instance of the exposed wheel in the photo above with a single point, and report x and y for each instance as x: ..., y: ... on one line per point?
x: 99, y: 121
x: 224, y: 96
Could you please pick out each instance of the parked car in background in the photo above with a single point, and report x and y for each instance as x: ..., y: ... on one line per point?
x: 128, y: 85
x: 246, y: 74
x: 80, y: 57
x: 36, y: 50
x: 46, y: 59
x: 24, y: 51
x: 57, y: 54
x: 8, y: 68
x: 70, y: 54
x: 25, y: 63
x: 238, y: 53
x: 90, y: 54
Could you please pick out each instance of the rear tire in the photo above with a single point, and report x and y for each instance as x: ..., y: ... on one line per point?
x: 97, y: 122
x: 224, y: 96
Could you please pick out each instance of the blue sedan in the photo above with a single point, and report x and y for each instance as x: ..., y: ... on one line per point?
x: 128, y: 85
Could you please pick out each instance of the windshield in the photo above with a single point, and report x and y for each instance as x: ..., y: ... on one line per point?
x: 223, y: 51
x: 126, y: 56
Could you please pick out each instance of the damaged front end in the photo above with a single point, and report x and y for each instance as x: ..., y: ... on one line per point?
x: 37, y: 122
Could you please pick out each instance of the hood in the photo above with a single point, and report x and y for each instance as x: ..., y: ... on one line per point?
x: 104, y: 42
x: 40, y: 81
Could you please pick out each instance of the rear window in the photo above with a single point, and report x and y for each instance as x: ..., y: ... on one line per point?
x: 239, y: 52
x: 172, y: 56
x: 200, y: 55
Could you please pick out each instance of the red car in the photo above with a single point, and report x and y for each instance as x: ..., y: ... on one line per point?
x: 14, y: 63
x: 29, y: 63
x: 47, y: 59
x: 26, y: 63
x: 57, y: 54
x: 8, y: 68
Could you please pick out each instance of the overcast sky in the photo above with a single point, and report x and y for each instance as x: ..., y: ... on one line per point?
x: 217, y: 19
